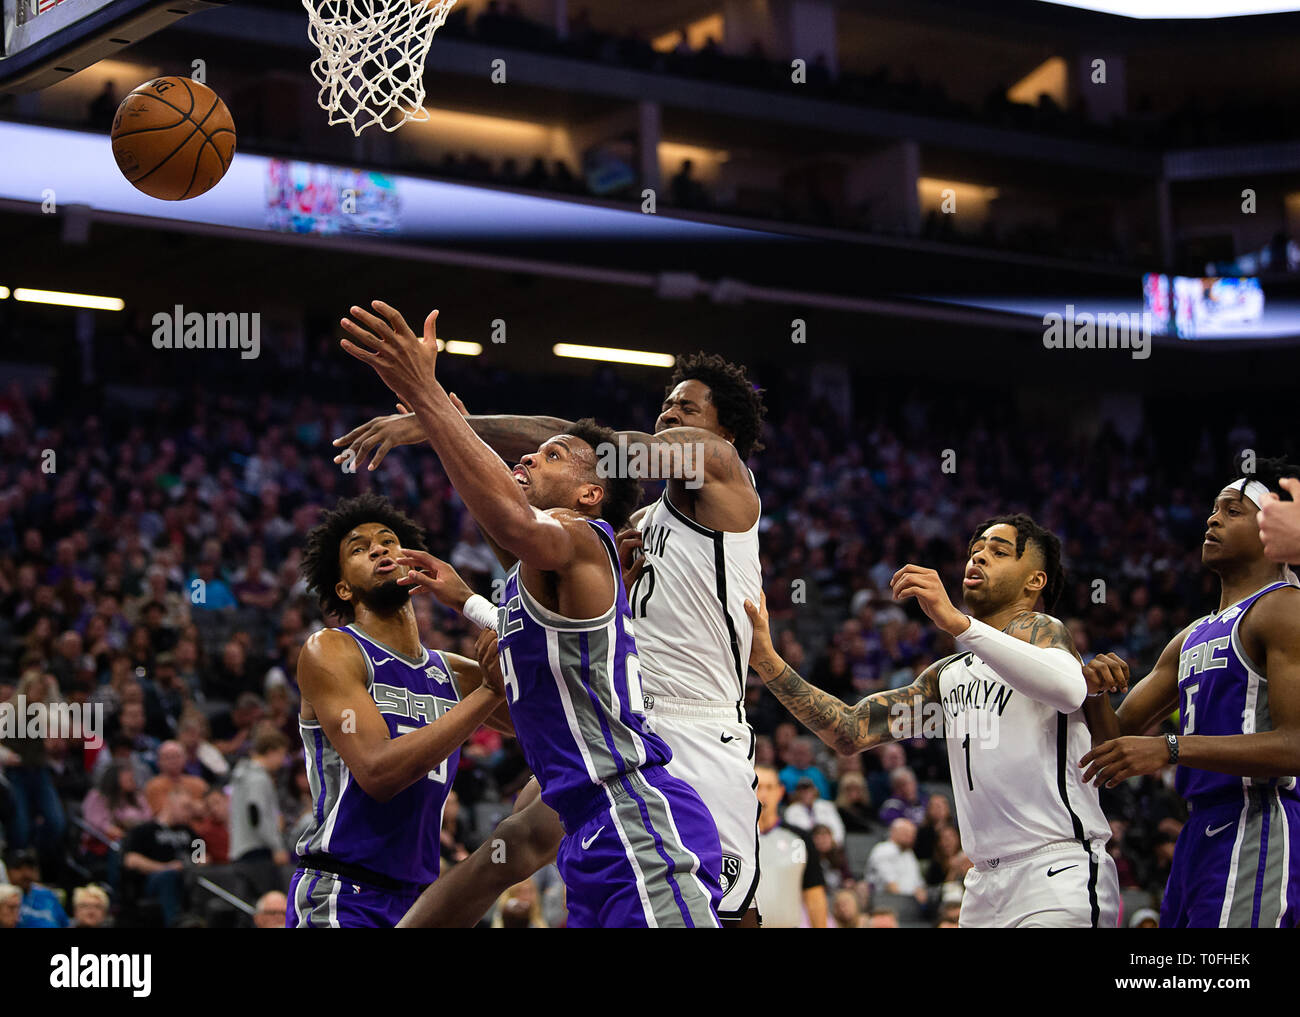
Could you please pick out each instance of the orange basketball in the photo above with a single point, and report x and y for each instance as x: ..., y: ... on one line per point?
x: 173, y: 138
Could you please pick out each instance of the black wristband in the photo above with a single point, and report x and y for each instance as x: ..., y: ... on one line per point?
x: 1172, y: 741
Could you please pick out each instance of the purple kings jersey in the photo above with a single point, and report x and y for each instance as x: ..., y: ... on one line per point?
x: 398, y: 838
x: 1221, y: 691
x: 574, y: 690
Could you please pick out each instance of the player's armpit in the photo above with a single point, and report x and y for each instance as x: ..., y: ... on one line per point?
x: 505, y: 558
x: 540, y: 539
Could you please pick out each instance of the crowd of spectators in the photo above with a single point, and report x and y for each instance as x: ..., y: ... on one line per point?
x: 1195, y: 122
x: 153, y: 575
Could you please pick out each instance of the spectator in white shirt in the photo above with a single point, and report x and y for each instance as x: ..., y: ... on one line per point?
x: 809, y: 809
x: 892, y: 866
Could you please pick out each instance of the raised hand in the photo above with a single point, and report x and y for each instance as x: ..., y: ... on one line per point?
x: 383, y: 434
x: 404, y: 361
x: 427, y: 573
x: 926, y: 586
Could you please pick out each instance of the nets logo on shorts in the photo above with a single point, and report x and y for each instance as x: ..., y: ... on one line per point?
x: 730, y: 873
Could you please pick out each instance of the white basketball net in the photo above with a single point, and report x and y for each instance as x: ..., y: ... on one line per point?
x: 372, y: 53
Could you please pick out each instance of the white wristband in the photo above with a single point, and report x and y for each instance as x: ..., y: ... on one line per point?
x: 480, y: 611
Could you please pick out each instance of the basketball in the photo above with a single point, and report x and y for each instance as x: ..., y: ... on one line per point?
x: 173, y: 138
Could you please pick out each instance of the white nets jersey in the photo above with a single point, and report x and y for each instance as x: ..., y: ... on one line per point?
x: 1014, y: 765
x: 688, y: 606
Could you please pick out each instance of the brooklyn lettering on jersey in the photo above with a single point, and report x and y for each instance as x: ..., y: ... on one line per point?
x: 977, y: 694
x: 654, y: 538
x: 979, y: 701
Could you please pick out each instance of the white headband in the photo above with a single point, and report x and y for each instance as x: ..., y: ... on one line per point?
x: 1252, y: 489
x: 1256, y: 492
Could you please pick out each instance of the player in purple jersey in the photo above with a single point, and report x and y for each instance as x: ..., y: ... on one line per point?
x: 640, y: 849
x: 382, y: 722
x: 690, y: 559
x: 1234, y: 678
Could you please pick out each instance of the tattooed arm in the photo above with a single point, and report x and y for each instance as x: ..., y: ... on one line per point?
x: 1034, y: 655
x: 846, y: 729
x: 1042, y: 630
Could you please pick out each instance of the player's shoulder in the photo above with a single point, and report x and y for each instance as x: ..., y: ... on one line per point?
x: 1274, y: 612
x: 582, y: 529
x: 1032, y: 619
x: 570, y: 518
x: 1043, y: 630
x: 934, y: 672
x: 334, y: 649
x: 942, y: 663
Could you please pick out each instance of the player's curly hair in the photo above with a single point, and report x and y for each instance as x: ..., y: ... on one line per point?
x: 320, y: 559
x: 621, y: 492
x: 738, y: 400
x: 1268, y: 472
x: 1047, y: 542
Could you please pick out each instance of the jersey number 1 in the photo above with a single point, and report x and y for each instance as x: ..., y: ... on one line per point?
x: 965, y: 744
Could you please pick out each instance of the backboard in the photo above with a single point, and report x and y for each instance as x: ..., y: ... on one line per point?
x: 44, y: 41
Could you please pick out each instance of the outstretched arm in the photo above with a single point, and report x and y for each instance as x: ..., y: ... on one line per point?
x: 512, y: 437
x: 406, y: 363
x: 1034, y: 655
x: 883, y: 717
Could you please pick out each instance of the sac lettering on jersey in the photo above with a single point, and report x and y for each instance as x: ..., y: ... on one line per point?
x: 1222, y: 692
x: 398, y: 838
x: 1207, y: 656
